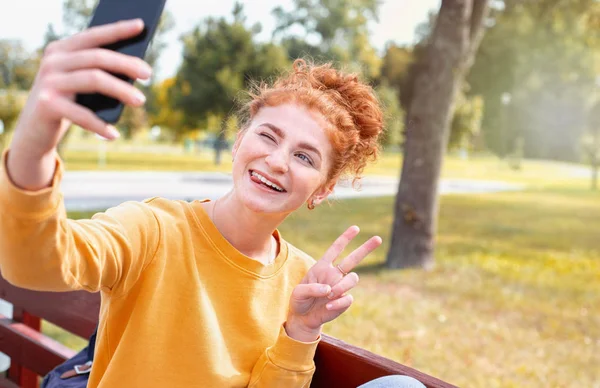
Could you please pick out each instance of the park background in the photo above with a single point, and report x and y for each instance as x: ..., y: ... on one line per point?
x: 510, y: 295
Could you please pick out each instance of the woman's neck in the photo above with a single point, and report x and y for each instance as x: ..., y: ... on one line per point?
x: 249, y: 232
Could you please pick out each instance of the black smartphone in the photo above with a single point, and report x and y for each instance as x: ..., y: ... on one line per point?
x: 110, y: 11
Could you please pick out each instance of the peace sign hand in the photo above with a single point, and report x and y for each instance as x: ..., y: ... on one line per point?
x: 321, y: 295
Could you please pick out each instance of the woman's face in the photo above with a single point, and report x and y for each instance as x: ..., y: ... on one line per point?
x: 282, y: 160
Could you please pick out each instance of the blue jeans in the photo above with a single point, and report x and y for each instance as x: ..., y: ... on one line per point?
x: 394, y: 381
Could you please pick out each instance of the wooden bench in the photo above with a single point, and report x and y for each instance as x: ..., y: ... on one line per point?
x: 32, y: 354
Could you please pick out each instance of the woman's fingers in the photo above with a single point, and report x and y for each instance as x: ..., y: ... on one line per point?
x: 52, y: 94
x: 340, y: 244
x: 96, y: 81
x: 312, y: 290
x: 346, y: 284
x: 341, y: 304
x: 61, y: 106
x: 354, y: 258
x: 98, y: 36
x: 98, y: 58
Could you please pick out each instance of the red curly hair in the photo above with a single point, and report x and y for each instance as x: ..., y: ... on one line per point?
x: 349, y: 106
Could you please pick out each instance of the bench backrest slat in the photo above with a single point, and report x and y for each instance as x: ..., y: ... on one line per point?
x: 78, y: 312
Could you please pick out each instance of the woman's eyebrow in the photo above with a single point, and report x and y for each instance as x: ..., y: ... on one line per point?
x: 281, y: 134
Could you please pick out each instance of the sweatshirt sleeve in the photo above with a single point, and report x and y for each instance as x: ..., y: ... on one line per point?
x: 40, y: 249
x: 288, y: 363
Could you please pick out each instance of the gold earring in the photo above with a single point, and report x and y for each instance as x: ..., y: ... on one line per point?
x: 311, y: 204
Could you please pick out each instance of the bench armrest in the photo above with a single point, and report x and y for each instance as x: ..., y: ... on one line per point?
x: 341, y: 365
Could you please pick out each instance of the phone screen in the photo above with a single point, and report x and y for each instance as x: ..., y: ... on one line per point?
x: 110, y: 11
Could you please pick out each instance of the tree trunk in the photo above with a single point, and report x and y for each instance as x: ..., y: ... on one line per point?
x: 451, y: 52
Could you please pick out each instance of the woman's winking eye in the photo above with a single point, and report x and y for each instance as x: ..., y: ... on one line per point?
x: 264, y: 134
x: 301, y: 156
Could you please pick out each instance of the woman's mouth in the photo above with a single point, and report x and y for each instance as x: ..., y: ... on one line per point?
x: 265, y: 183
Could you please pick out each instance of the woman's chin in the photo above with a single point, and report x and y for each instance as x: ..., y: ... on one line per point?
x: 259, y: 204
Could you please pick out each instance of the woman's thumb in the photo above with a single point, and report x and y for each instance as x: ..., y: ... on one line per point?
x: 308, y: 291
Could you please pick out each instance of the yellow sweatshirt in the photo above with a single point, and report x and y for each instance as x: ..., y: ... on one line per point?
x: 181, y: 307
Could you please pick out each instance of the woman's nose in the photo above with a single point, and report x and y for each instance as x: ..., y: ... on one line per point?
x: 278, y: 161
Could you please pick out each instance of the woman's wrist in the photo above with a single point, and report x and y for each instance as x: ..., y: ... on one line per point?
x: 30, y: 171
x: 300, y: 332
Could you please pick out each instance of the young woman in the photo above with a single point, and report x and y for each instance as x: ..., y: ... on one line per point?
x: 203, y: 293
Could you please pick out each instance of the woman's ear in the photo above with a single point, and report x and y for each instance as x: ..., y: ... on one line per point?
x: 324, y: 191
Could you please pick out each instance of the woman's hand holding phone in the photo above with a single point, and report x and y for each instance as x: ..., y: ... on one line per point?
x: 70, y: 66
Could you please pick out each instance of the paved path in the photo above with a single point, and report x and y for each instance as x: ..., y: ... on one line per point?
x: 92, y: 190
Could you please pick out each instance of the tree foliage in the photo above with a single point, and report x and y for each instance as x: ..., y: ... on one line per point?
x: 17, y: 66
x: 394, y: 116
x: 334, y: 30
x: 166, y: 116
x: 544, y: 54
x: 220, y: 59
x: 395, y: 67
x: 11, y: 103
x: 466, y: 122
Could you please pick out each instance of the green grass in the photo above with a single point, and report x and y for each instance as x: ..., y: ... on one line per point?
x: 533, y: 173
x: 122, y: 160
x: 512, y: 301
x: 72, y: 341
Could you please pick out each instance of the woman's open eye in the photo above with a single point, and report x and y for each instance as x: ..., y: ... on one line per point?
x: 305, y: 158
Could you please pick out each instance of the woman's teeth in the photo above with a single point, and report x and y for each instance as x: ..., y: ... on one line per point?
x: 266, y: 181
